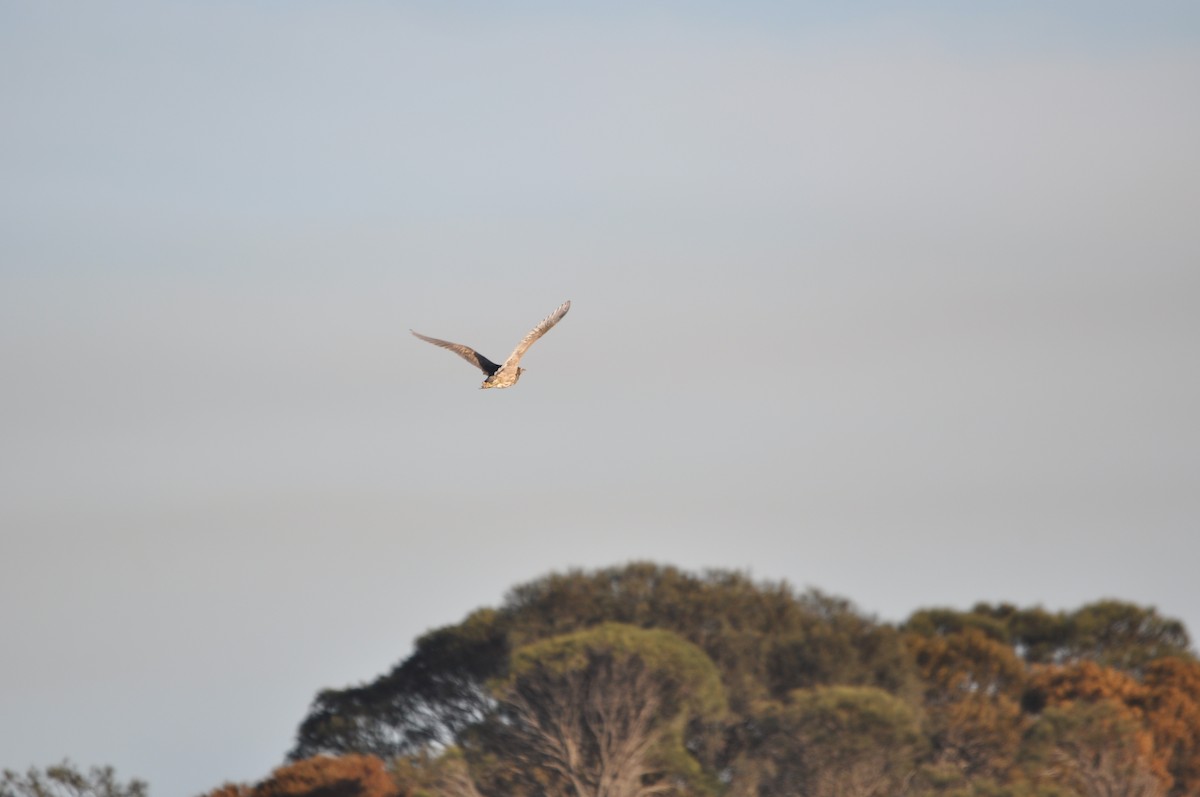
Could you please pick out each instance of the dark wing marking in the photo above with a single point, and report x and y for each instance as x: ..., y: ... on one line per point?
x: 466, y: 352
x: 537, y: 332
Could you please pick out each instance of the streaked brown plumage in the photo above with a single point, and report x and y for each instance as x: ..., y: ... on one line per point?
x: 507, y: 374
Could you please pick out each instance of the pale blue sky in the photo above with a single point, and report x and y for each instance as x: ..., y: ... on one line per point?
x: 900, y: 305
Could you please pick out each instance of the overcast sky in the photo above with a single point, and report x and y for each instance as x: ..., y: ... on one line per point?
x: 903, y: 306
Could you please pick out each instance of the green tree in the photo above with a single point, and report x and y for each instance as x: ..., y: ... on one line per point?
x: 1112, y: 633
x: 67, y: 780
x: 605, y: 712
x: 836, y: 741
x: 430, y: 698
x: 831, y: 643
x: 1124, y: 635
x: 764, y: 639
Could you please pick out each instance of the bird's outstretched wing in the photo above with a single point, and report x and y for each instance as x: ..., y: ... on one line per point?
x: 537, y: 332
x: 466, y: 352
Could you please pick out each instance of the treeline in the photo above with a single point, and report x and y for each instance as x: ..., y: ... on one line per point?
x: 646, y: 680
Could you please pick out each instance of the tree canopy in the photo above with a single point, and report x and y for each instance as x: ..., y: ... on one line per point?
x: 752, y: 689
x: 645, y: 680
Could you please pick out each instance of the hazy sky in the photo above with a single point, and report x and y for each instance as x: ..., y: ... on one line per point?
x: 903, y: 306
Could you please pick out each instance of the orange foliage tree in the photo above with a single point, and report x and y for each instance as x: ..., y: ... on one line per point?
x: 972, y: 694
x: 321, y: 776
x: 1173, y: 711
x: 1126, y: 715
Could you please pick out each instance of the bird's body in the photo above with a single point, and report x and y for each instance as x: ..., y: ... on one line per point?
x: 507, y: 373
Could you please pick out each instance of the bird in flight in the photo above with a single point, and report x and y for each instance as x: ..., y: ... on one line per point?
x: 507, y: 374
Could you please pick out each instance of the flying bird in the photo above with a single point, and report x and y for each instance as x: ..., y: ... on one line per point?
x: 505, y: 375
